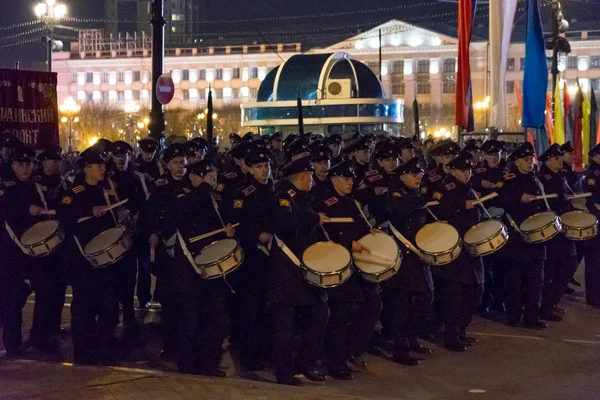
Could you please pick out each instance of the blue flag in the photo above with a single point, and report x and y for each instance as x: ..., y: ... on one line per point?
x: 535, y: 78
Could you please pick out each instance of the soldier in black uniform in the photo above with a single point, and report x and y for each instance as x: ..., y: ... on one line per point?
x: 202, y: 151
x: 95, y: 290
x: 200, y: 304
x: 148, y: 162
x: 461, y: 280
x: 157, y: 225
x: 524, y: 262
x: 231, y: 182
x: 20, y: 207
x: 486, y: 176
x: 406, y: 148
x: 278, y: 156
x: 472, y: 148
x: 387, y: 158
x: 290, y: 297
x: 343, y: 343
x: 407, y: 295
x: 571, y: 175
x: 8, y: 144
x: 321, y: 161
x: 48, y: 273
x: 252, y: 209
x: 444, y: 152
x: 334, y: 142
x: 562, y: 254
x: 195, y: 150
x: 590, y: 249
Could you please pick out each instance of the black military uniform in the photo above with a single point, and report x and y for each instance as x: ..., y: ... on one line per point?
x: 200, y: 304
x: 572, y: 176
x: 17, y: 195
x: 590, y: 249
x: 95, y: 290
x: 252, y: 209
x: 229, y: 183
x: 290, y: 297
x: 432, y: 181
x: 332, y: 141
x: 562, y: 254
x: 153, y: 169
x: 407, y: 295
x: 379, y: 185
x: 48, y: 273
x: 461, y: 280
x: 344, y: 343
x: 524, y: 262
x: 487, y: 172
x: 322, y: 187
x: 277, y: 155
x: 8, y: 144
x: 156, y: 220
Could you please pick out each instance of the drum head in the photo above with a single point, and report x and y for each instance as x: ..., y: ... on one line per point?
x: 578, y: 219
x: 216, y: 251
x: 437, y: 237
x: 326, y: 257
x: 104, y: 240
x: 482, y: 231
x: 537, y: 221
x: 380, y: 244
x: 38, y: 232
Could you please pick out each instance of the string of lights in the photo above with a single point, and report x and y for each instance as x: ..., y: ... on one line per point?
x: 20, y: 25
x: 26, y: 33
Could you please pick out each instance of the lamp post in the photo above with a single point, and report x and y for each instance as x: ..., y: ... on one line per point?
x: 70, y: 109
x: 51, y: 13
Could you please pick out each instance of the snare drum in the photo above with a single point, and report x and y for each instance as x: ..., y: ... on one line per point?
x: 384, y: 260
x: 108, y: 247
x: 219, y: 258
x: 541, y: 227
x: 42, y: 238
x: 485, y: 238
x: 327, y: 264
x: 579, y: 225
x: 439, y: 242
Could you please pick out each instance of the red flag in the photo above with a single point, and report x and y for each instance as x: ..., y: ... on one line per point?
x: 463, y: 77
x: 577, y: 131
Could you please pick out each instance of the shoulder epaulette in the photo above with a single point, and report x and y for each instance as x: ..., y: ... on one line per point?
x: 371, y: 172
x: 78, y: 189
x: 434, y: 178
x: 331, y: 201
x: 450, y: 186
x: 480, y: 170
x: 291, y: 192
x: 231, y: 175
x: 161, y: 182
x: 509, y: 175
x: 375, y: 178
x: 248, y: 190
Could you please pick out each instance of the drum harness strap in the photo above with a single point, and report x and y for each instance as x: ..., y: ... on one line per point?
x: 41, y: 193
x: 288, y: 252
x: 541, y: 186
x: 14, y: 238
x: 514, y: 225
x: 112, y: 188
x: 481, y: 204
x: 405, y: 241
x: 190, y: 258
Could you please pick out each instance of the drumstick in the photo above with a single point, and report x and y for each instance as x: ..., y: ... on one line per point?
x: 545, y: 196
x: 375, y: 260
x: 152, y: 254
x: 209, y: 234
x: 338, y: 220
x: 377, y: 254
x: 106, y: 208
x: 579, y: 195
x: 432, y: 203
x: 486, y: 198
x: 48, y: 212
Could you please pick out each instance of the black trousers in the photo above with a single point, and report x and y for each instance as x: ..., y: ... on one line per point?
x: 13, y: 296
x: 405, y: 313
x: 50, y: 292
x: 202, y: 325
x: 313, y: 323
x: 336, y: 336
x: 460, y: 302
x: 559, y: 269
x: 127, y: 269
x: 495, y: 278
x: 95, y: 303
x: 363, y: 322
x: 144, y: 281
x: 590, y: 252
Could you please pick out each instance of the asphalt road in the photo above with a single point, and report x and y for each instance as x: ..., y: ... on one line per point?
x: 561, y: 362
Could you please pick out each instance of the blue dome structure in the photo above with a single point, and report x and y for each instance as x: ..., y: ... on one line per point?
x: 338, y: 94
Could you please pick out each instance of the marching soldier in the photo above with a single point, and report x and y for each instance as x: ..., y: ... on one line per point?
x: 461, y: 280
x: 487, y: 176
x: 8, y: 144
x: 406, y: 148
x: 148, y: 162
x: 562, y: 262
x: 289, y: 296
x: 252, y: 209
x: 444, y: 152
x: 407, y: 295
x: 524, y: 262
x: 571, y: 175
x: 232, y: 181
x: 387, y: 158
x: 200, y: 304
x: 95, y: 290
x: 334, y: 142
x: 321, y: 161
x: 343, y: 343
x: 196, y: 150
x: 275, y: 143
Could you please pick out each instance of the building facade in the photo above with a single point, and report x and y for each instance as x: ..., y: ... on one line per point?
x: 415, y: 63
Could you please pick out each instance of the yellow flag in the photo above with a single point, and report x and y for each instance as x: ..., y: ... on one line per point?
x: 559, y: 128
x: 586, y: 109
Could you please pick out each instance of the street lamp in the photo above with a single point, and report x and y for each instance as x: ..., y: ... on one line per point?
x: 70, y: 109
x: 51, y: 13
x: 131, y: 109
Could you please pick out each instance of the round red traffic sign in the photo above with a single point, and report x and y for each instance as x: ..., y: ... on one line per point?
x: 165, y: 89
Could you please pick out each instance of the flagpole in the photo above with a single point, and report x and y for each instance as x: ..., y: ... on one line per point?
x: 555, y: 11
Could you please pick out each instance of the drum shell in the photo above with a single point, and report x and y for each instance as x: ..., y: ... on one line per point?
x: 385, y: 273
x: 441, y: 257
x: 223, y: 266
x: 489, y: 245
x: 326, y: 279
x: 543, y: 233
x: 46, y: 246
x: 112, y: 253
x: 579, y: 233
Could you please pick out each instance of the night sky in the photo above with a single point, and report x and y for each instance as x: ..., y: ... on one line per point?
x: 317, y: 31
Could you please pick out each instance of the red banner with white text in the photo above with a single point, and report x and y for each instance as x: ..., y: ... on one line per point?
x: 28, y: 107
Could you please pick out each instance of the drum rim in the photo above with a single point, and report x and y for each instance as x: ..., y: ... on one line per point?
x: 55, y: 233
x: 220, y: 260
x: 397, y: 263
x: 398, y: 255
x: 208, y: 278
x: 445, y: 252
x: 502, y: 228
x: 307, y: 270
x: 487, y: 253
x: 579, y: 212
x: 442, y: 252
x: 326, y: 273
x: 109, y: 248
x: 541, y: 228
